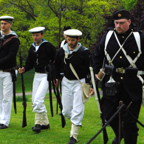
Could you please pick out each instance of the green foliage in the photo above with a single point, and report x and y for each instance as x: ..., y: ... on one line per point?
x: 129, y: 4
x: 85, y: 15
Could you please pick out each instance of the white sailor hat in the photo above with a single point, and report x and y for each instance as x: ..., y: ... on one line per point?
x: 37, y: 29
x: 73, y: 32
x: 6, y: 18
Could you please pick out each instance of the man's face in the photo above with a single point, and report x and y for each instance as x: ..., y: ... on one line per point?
x: 5, y: 26
x: 37, y: 37
x: 122, y: 25
x: 72, y: 42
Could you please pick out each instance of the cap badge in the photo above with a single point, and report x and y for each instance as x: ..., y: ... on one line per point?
x: 119, y: 15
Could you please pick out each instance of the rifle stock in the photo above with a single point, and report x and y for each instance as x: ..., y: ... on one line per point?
x: 97, y: 97
x: 24, y: 122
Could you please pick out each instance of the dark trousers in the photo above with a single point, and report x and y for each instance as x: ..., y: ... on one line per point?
x: 129, y: 127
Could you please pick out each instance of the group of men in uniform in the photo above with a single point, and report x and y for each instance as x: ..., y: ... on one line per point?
x: 120, y: 55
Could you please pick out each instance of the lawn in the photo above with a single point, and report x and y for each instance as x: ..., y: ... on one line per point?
x: 91, y: 124
x: 28, y: 79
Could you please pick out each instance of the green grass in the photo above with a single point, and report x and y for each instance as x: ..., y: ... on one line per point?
x: 91, y: 124
x: 28, y: 79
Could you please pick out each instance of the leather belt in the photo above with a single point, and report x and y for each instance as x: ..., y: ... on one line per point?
x: 6, y: 70
x: 42, y: 72
x: 122, y: 70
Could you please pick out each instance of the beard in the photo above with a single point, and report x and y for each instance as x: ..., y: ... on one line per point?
x: 72, y: 45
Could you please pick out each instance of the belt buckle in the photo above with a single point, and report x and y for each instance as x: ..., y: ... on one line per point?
x: 120, y: 70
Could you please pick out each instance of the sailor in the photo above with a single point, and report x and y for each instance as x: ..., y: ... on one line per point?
x: 76, y: 54
x: 9, y: 45
x: 40, y: 53
x: 121, y: 53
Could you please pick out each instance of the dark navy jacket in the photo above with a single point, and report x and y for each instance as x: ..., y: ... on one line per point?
x: 79, y: 60
x: 132, y: 85
x: 40, y: 58
x: 8, y: 52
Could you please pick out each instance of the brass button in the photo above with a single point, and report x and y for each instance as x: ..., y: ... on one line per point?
x: 120, y: 57
x: 122, y: 36
x: 121, y: 77
x: 134, y: 52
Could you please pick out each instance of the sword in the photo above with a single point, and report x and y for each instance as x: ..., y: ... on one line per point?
x: 97, y: 97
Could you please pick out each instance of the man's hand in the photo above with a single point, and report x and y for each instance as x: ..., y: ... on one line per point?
x: 95, y: 76
x: 21, y: 70
x: 56, y: 83
x: 91, y: 91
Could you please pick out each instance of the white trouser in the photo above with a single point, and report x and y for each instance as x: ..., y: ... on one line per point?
x: 40, y: 88
x: 73, y: 107
x: 6, y: 94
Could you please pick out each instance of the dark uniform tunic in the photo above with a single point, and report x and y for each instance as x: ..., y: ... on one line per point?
x: 40, y: 58
x: 7, y: 61
x: 79, y: 59
x: 129, y: 87
x: 8, y: 52
x: 73, y: 107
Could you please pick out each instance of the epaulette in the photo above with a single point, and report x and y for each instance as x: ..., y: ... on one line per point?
x: 136, y: 30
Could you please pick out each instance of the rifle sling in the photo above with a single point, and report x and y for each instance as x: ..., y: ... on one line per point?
x: 7, y: 40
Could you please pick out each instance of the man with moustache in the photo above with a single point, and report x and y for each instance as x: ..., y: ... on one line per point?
x: 78, y: 56
x: 9, y: 45
x: 40, y: 54
x: 121, y: 53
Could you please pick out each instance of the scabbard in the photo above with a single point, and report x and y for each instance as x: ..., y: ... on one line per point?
x: 14, y: 97
x: 13, y: 75
x: 50, y: 95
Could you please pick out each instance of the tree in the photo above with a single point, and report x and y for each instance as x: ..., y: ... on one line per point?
x: 128, y: 4
x: 138, y: 15
x: 85, y: 15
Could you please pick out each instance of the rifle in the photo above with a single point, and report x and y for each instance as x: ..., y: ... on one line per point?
x: 97, y: 96
x: 24, y: 122
x: 49, y: 70
x: 115, y: 114
x: 13, y: 74
x: 56, y: 91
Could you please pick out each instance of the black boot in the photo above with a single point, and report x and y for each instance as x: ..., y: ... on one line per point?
x: 45, y: 126
x: 72, y: 140
x: 115, y: 140
x: 37, y: 128
x: 130, y: 138
x: 116, y: 131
